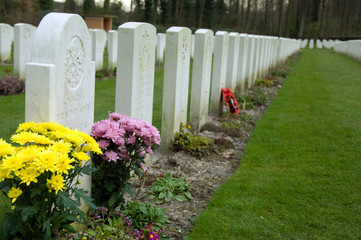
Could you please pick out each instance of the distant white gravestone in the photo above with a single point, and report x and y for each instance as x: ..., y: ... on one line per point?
x: 112, y: 49
x: 135, y: 70
x: 319, y: 44
x: 176, y: 82
x: 311, y: 44
x: 6, y: 39
x: 98, y: 42
x: 60, y: 80
x: 232, y: 62
x: 23, y: 40
x: 201, y: 78
x: 219, y: 72
x: 160, y: 47
x: 242, y: 61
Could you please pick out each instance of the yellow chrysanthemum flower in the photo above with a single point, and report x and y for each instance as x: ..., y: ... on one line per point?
x: 24, y: 126
x: 6, y: 148
x: 82, y: 156
x: 61, y: 147
x: 92, y: 144
x: 14, y: 193
x: 56, y: 183
x: 4, y: 173
x: 28, y: 175
x: 29, y: 153
x: 64, y: 164
x: 46, y: 161
x: 12, y: 163
x: 74, y: 138
x: 27, y: 137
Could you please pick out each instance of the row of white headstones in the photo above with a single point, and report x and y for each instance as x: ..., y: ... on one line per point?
x: 60, y: 78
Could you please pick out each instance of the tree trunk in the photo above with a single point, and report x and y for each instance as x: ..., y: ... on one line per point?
x: 155, y: 8
x: 322, y: 9
x: 247, y: 20
x: 256, y: 16
x: 280, y: 9
x: 343, y: 19
x: 106, y: 6
x: 201, y: 14
x: 131, y: 10
x: 288, y: 17
x: 266, y: 17
x: 348, y: 18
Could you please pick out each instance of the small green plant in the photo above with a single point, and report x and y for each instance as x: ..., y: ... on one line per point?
x: 111, y: 225
x: 169, y: 188
x: 191, y: 143
x: 145, y: 213
x: 264, y: 82
x: 233, y: 124
x: 280, y: 71
x: 257, y: 97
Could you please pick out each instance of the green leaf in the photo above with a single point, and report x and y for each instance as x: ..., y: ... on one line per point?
x: 179, y: 198
x: 87, y: 170
x: 87, y: 200
x: 188, y: 195
x: 91, y: 232
x: 26, y: 212
x: 161, y: 195
x: 169, y: 196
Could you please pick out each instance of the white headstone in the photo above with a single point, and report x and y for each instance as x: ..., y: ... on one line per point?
x: 23, y: 40
x: 135, y: 70
x: 201, y: 78
x: 112, y: 49
x: 98, y: 41
x: 311, y: 44
x: 60, y: 79
x: 232, y: 62
x: 257, y: 52
x: 176, y: 82
x: 160, y: 47
x: 6, y: 40
x: 319, y: 44
x: 304, y: 43
x: 242, y: 61
x: 219, y: 72
x: 250, y: 60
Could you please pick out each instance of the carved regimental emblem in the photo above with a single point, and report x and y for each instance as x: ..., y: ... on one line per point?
x: 144, y: 57
x: 74, y: 59
x: 184, y: 48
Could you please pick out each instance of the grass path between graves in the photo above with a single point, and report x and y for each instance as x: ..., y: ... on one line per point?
x: 300, y: 177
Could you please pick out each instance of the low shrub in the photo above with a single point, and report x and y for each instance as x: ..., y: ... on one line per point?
x: 143, y: 214
x: 10, y: 85
x: 195, y: 145
x: 169, y: 188
x: 111, y: 225
x: 264, y: 82
x: 256, y: 97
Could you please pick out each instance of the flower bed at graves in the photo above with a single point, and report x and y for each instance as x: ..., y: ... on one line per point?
x: 207, y: 171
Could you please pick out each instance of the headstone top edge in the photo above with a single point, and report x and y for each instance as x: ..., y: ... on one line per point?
x: 203, y: 31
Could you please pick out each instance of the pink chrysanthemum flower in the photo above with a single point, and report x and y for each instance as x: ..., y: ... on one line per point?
x: 103, y: 143
x: 111, y: 156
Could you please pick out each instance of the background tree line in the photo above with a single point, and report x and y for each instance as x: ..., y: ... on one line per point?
x: 339, y: 19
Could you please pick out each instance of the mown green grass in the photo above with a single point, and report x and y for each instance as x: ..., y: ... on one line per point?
x: 300, y: 176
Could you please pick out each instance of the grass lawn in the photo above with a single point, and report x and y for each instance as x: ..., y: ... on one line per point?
x: 300, y: 177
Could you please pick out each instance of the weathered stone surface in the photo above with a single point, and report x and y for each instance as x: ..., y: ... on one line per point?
x: 23, y: 40
x: 135, y: 70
